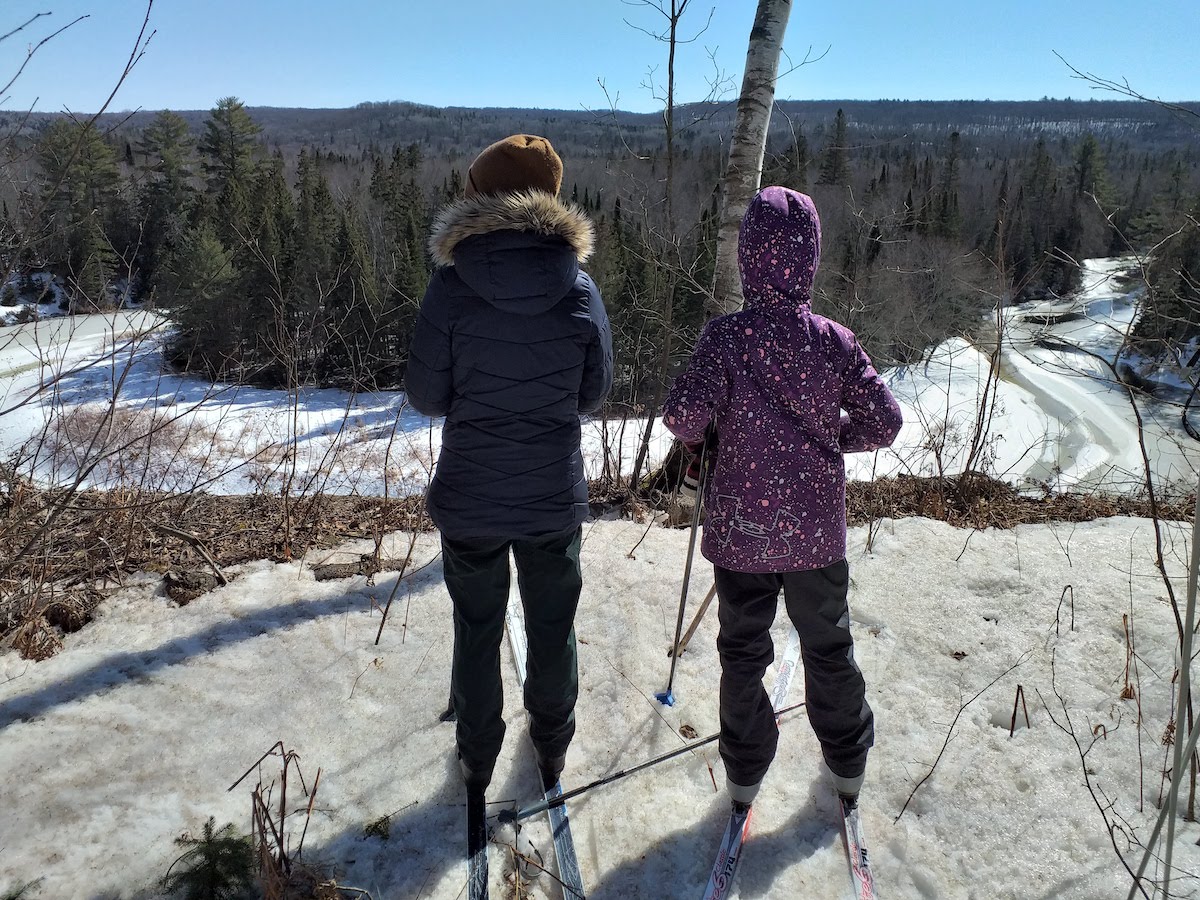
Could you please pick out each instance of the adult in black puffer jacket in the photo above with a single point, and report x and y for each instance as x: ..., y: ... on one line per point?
x: 511, y: 346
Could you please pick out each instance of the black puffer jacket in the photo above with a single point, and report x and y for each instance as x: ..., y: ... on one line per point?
x: 511, y: 345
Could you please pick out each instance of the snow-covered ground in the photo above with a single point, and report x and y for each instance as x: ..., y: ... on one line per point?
x: 132, y: 735
x: 58, y: 379
x: 134, y: 732
x: 1059, y: 421
x: 45, y: 299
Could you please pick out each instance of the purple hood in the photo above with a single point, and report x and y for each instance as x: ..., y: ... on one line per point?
x: 789, y: 393
x: 779, y: 248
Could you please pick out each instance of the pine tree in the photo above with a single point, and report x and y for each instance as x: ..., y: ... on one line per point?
x: 198, y: 287
x: 265, y: 261
x: 316, y: 229
x: 835, y: 164
x: 229, y: 148
x: 948, y: 218
x: 790, y: 169
x: 1091, y: 174
x: 219, y: 865
x: 1172, y: 308
x: 167, y: 196
x: 358, y: 351
x: 80, y: 190
x: 228, y: 143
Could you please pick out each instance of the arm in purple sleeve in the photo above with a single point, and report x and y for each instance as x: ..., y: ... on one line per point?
x: 691, y: 404
x: 872, y: 417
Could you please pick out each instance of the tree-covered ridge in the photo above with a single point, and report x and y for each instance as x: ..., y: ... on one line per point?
x: 286, y: 263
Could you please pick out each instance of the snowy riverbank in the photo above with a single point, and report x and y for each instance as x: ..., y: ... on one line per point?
x: 1059, y: 420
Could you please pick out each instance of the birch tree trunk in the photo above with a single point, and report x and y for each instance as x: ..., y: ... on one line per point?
x: 746, y: 149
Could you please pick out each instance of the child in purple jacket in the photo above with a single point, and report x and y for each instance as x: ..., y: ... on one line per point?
x: 788, y: 392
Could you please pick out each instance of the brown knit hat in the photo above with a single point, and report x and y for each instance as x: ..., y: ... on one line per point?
x: 521, y: 162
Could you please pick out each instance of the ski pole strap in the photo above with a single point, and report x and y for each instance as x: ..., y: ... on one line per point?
x: 515, y: 815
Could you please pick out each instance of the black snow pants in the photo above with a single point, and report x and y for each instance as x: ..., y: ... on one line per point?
x: 549, y: 578
x: 834, y: 688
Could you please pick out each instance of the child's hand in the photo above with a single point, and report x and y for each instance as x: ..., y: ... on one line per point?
x: 705, y: 450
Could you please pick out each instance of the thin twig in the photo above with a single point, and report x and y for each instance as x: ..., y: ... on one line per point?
x: 950, y: 731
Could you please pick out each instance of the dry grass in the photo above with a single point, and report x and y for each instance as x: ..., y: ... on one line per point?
x: 977, y: 501
x: 104, y: 535
x: 152, y: 447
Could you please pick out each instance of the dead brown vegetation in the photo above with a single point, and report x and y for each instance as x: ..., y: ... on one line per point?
x: 972, y: 500
x: 104, y: 536
x: 101, y: 537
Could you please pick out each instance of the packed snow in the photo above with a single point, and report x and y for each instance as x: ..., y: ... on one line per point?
x: 132, y: 735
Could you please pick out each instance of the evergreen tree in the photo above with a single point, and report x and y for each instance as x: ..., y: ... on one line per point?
x: 835, y: 164
x: 167, y: 196
x: 316, y: 230
x: 219, y: 865
x: 228, y: 146
x: 1091, y: 175
x: 789, y: 169
x: 908, y: 221
x: 80, y: 189
x: 948, y: 218
x: 1171, y: 311
x: 265, y: 259
x: 358, y: 351
x: 199, y: 281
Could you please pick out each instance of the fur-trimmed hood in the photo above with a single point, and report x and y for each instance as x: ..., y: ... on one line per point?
x: 531, y: 212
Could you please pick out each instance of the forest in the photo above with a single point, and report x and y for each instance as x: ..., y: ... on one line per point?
x: 288, y: 246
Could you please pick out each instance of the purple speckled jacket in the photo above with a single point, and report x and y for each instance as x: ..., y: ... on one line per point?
x: 776, y: 378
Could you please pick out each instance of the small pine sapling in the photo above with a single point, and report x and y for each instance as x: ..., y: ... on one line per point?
x: 218, y: 865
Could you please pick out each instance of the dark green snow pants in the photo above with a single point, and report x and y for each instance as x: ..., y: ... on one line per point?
x: 477, y: 577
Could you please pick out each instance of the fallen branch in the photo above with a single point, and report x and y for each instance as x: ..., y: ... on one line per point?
x: 195, y: 542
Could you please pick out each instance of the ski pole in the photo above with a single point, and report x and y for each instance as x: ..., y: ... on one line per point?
x: 667, y: 697
x: 687, y: 635
x: 515, y: 815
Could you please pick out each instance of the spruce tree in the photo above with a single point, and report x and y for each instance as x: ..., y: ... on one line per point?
x: 80, y: 189
x: 219, y: 865
x: 359, y: 351
x: 316, y: 230
x: 265, y: 260
x: 167, y: 196
x: 948, y: 218
x: 835, y: 163
x: 228, y: 147
x: 1091, y: 174
x: 228, y: 144
x: 198, y: 290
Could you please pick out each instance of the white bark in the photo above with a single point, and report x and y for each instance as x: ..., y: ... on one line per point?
x: 749, y: 143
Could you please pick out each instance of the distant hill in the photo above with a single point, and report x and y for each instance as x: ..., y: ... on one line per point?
x: 590, y: 133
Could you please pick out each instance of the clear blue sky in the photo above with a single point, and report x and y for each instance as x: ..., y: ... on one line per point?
x: 551, y: 53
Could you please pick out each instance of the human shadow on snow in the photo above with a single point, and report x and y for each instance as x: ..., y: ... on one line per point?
x: 678, y: 866
x: 122, y: 668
